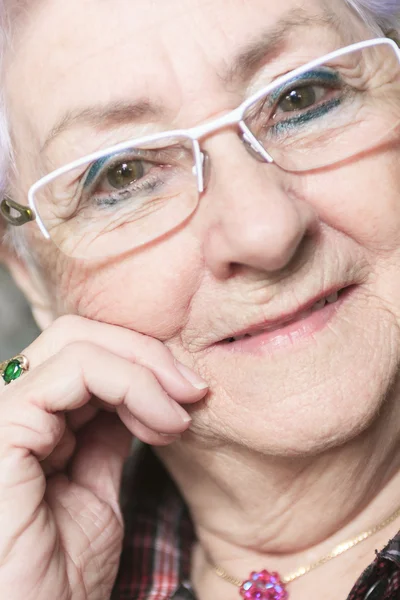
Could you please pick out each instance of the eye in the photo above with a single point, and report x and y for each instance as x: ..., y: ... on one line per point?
x: 301, y: 98
x: 125, y: 174
x: 119, y: 178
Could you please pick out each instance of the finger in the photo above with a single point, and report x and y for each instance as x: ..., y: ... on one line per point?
x: 101, y: 450
x: 76, y: 419
x: 143, y: 433
x: 179, y: 381
x: 61, y: 455
x: 67, y: 382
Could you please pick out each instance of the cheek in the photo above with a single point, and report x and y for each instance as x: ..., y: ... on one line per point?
x: 149, y: 292
x: 362, y: 201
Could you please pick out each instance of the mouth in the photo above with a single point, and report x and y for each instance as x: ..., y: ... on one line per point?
x: 308, y: 317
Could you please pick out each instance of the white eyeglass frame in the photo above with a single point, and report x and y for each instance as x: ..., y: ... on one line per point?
x: 194, y: 134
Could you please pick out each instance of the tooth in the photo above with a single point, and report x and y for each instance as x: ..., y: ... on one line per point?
x: 240, y: 337
x: 320, y: 304
x: 333, y: 298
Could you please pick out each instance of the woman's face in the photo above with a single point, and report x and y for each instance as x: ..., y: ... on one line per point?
x: 262, y: 244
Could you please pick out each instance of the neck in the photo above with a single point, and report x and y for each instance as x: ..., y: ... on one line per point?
x: 255, y: 511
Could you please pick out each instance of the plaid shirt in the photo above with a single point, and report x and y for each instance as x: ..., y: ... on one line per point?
x: 155, y: 562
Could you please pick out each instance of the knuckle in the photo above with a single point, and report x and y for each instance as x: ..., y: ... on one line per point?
x: 143, y: 376
x: 147, y: 350
x: 29, y: 424
x: 49, y: 428
x: 77, y: 351
x: 61, y: 332
x: 66, y: 323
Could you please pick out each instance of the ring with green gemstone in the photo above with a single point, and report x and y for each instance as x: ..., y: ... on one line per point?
x: 12, y: 369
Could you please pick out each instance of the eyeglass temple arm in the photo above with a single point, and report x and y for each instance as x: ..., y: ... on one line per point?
x: 25, y: 214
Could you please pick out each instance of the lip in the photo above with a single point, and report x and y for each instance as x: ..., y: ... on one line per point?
x: 295, y: 324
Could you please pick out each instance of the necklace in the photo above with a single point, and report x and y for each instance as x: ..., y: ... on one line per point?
x: 263, y: 585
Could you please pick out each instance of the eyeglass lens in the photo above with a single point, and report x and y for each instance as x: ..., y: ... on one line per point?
x: 341, y: 109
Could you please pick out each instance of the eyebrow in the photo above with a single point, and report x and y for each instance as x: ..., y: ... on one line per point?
x: 261, y: 50
x: 104, y: 116
x: 272, y: 42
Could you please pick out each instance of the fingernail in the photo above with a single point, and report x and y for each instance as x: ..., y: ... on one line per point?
x: 171, y: 436
x: 181, y: 412
x: 195, y: 380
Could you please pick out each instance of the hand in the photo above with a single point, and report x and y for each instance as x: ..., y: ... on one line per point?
x: 65, y: 430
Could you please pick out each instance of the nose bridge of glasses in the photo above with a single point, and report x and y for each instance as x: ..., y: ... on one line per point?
x: 205, y: 129
x: 201, y: 170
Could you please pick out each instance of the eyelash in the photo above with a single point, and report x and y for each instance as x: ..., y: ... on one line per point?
x: 97, y: 174
x: 328, y: 80
x: 114, y: 198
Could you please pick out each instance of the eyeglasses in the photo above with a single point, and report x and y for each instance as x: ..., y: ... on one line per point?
x: 330, y: 110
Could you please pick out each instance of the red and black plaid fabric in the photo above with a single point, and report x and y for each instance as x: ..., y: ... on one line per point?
x: 155, y: 562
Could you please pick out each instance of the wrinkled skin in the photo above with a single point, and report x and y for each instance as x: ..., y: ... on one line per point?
x: 261, y: 243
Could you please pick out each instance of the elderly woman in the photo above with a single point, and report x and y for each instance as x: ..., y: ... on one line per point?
x: 201, y: 202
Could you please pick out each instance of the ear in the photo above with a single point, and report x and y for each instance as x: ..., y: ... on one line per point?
x: 29, y: 281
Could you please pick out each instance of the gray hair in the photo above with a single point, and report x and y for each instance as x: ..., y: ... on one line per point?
x: 381, y: 16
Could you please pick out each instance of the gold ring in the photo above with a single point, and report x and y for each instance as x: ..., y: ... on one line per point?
x: 12, y: 369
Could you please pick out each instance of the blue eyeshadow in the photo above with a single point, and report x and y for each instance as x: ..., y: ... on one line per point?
x: 95, y: 169
x: 302, y: 119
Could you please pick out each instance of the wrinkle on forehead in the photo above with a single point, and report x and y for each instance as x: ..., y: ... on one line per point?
x: 72, y: 33
x: 242, y: 66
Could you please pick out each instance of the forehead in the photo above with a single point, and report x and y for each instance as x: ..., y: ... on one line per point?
x: 70, y: 53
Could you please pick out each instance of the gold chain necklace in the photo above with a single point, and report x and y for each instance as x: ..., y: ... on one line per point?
x: 263, y: 585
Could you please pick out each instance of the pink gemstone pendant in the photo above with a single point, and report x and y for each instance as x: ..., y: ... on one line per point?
x: 264, y: 586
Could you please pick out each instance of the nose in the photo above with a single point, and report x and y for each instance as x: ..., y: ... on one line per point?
x: 256, y: 217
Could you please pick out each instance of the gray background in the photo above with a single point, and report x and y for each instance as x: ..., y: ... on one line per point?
x: 17, y: 328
